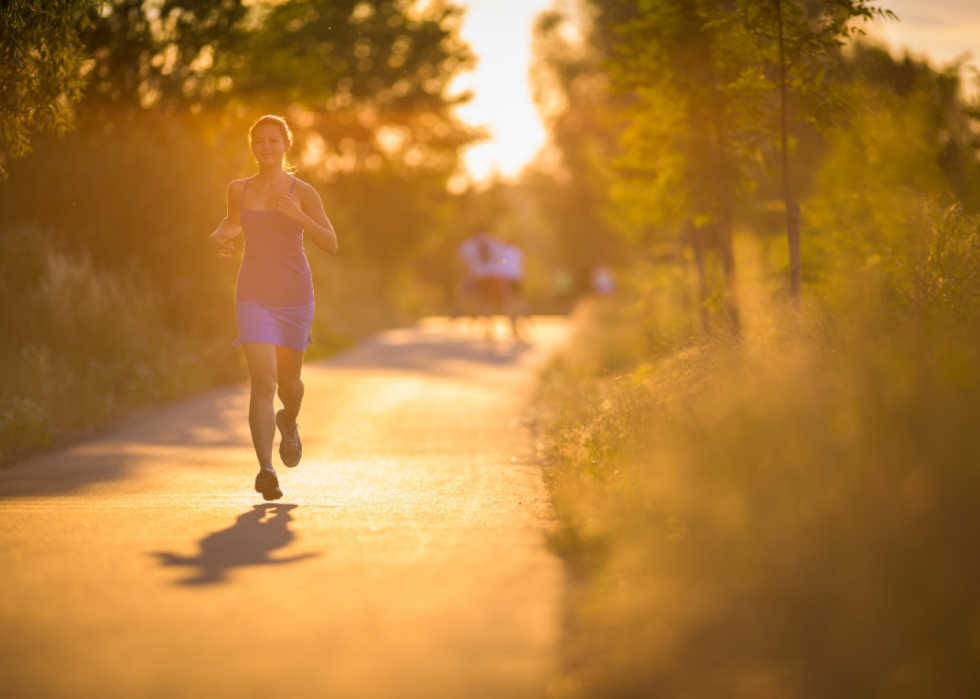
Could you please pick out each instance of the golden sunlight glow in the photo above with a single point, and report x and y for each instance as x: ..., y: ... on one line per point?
x: 499, y: 33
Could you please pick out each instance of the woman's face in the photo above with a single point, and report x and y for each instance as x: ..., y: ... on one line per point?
x: 268, y: 145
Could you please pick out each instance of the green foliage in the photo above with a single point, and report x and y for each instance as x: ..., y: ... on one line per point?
x: 884, y: 210
x: 702, y: 76
x: 365, y: 81
x: 945, y: 119
x: 791, y: 515
x: 652, y: 190
x: 176, y: 85
x: 679, y: 133
x: 41, y: 68
x: 221, y: 54
x: 813, y: 34
x: 143, y: 178
x: 124, y: 277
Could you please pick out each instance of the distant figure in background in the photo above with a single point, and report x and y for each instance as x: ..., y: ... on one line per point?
x: 274, y: 292
x: 603, y: 281
x: 465, y: 302
x: 480, y: 255
x: 512, y: 272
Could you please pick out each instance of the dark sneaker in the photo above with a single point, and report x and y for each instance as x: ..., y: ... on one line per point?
x: 267, y: 483
x: 290, y: 448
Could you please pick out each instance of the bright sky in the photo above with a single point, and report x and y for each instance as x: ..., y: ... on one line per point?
x: 940, y: 29
x: 499, y: 32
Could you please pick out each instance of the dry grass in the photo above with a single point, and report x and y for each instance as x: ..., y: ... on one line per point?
x: 82, y: 346
x: 794, y: 515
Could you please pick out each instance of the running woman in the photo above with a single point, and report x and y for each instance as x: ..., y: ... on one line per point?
x: 481, y: 255
x: 274, y: 294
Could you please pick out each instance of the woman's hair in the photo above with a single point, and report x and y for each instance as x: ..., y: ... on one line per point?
x: 287, y: 134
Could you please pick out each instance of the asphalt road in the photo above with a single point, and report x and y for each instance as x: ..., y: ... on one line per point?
x: 407, y: 558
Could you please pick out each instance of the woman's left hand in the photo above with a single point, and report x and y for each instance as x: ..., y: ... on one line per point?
x: 289, y: 205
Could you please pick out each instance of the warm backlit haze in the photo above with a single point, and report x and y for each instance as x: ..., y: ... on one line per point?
x: 942, y: 30
x: 750, y: 471
x: 499, y: 32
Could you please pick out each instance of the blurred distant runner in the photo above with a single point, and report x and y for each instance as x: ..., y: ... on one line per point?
x: 480, y: 257
x: 603, y: 281
x: 465, y: 283
x: 512, y: 272
x: 274, y: 293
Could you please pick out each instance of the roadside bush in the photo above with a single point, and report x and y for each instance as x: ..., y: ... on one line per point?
x: 794, y: 514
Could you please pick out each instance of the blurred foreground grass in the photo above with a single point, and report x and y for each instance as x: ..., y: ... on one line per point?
x: 795, y: 514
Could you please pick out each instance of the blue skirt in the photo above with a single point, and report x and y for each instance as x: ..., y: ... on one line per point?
x: 286, y: 327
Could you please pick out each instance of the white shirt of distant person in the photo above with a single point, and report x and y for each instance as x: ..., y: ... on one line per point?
x: 492, y: 280
x: 487, y: 256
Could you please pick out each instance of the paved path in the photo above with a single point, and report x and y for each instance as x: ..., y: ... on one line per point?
x: 405, y: 560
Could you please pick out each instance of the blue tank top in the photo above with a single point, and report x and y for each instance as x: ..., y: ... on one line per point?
x: 274, y: 271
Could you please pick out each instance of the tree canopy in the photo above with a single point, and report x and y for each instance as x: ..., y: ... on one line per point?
x: 372, y: 75
x: 42, y: 62
x: 174, y: 85
x: 705, y: 75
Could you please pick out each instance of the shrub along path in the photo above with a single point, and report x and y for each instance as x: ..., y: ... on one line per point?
x: 405, y: 560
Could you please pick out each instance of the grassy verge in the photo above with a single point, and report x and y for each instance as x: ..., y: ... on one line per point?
x: 793, y: 515
x: 83, y: 346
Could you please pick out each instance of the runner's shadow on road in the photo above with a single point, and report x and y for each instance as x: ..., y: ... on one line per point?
x: 250, y: 541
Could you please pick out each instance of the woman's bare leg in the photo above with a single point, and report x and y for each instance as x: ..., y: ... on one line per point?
x: 290, y: 367
x: 261, y: 360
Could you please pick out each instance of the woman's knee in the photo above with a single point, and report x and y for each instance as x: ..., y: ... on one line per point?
x: 291, y: 388
x: 264, y: 384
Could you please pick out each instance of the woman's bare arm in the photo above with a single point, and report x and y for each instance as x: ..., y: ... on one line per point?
x: 230, y: 226
x: 307, y: 210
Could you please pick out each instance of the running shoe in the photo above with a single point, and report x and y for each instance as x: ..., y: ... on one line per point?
x: 267, y: 483
x: 290, y: 448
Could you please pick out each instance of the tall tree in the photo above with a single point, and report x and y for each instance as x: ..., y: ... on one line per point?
x: 681, y: 150
x: 712, y: 82
x: 41, y: 68
x: 797, y: 42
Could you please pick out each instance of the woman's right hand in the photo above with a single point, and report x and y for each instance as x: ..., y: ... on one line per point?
x: 221, y: 247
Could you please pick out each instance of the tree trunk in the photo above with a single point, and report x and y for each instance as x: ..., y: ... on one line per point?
x: 728, y: 263
x: 793, y: 223
x: 792, y: 209
x: 696, y: 236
